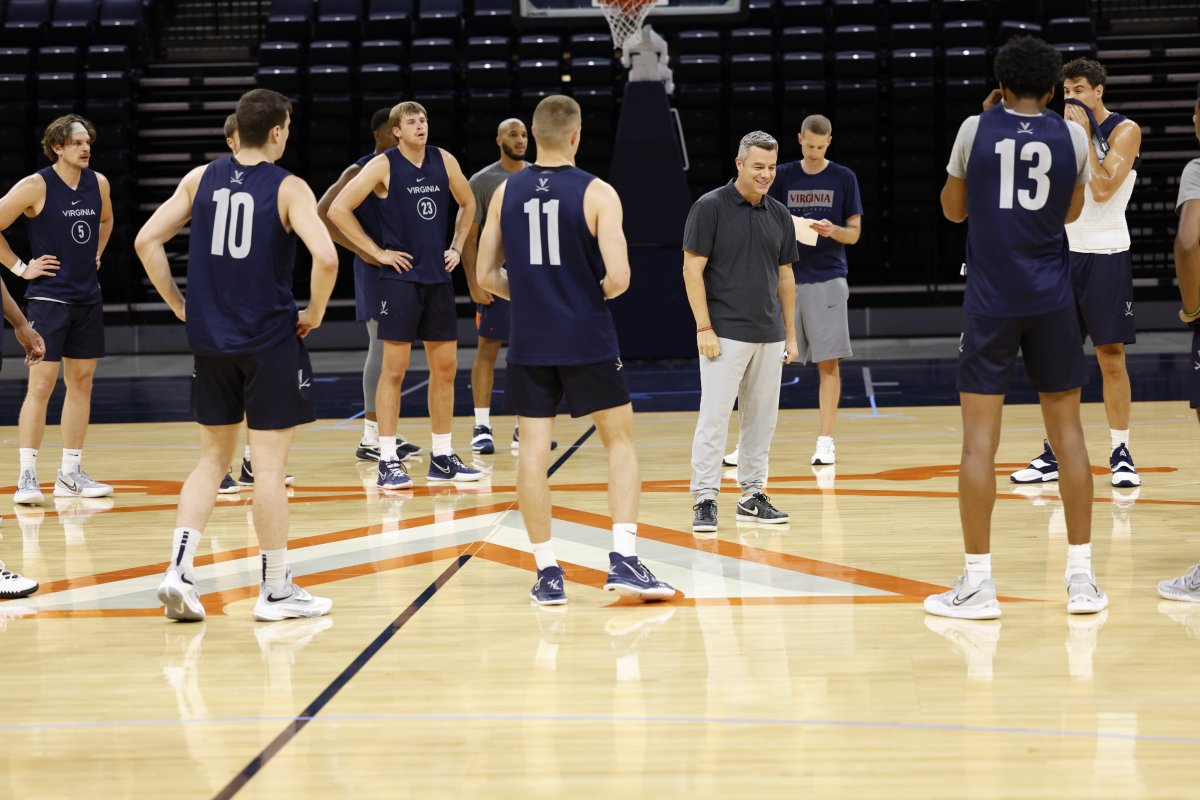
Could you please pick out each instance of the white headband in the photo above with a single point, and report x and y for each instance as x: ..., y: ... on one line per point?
x: 77, y: 127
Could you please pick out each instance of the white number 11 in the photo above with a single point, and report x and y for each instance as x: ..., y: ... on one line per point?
x: 535, y: 232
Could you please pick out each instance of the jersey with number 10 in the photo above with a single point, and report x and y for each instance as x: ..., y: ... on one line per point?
x: 559, y: 315
x: 240, y: 262
x: 1021, y: 173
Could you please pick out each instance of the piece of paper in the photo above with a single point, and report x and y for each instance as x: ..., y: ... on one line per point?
x: 804, y: 231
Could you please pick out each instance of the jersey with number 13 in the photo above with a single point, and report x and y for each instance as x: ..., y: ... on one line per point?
x: 240, y: 262
x: 1021, y: 171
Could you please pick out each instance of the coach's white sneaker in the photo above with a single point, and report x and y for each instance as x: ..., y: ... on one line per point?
x: 179, y: 598
x: 824, y: 452
x: 965, y: 601
x: 290, y: 602
x: 79, y: 484
x: 730, y: 459
x: 1084, y: 595
x: 1185, y: 587
x: 13, y: 585
x: 28, y: 492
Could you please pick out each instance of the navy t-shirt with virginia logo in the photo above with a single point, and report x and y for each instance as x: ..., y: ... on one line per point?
x: 69, y: 229
x: 830, y: 194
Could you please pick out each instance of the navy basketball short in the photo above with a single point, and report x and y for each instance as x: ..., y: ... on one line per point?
x: 492, y: 319
x: 366, y: 290
x: 537, y: 391
x: 410, y: 311
x: 273, y: 389
x: 70, y: 330
x: 1103, y: 284
x: 1049, y: 345
x: 1194, y: 371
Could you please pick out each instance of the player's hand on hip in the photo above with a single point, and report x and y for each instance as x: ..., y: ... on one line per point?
x: 396, y: 259
x: 480, y: 296
x: 708, y: 344
x: 35, y: 347
x: 994, y: 97
x: 41, y: 267
x: 307, y: 322
x: 824, y: 228
x: 452, y: 258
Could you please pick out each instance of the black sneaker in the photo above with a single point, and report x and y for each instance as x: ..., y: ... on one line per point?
x: 482, y: 442
x: 756, y: 507
x: 705, y: 520
x: 368, y: 451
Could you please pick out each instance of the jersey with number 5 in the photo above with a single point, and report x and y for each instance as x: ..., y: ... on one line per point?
x: 558, y: 313
x: 1021, y: 171
x: 240, y: 262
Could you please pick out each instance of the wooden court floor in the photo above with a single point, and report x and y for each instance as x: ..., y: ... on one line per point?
x: 798, y: 663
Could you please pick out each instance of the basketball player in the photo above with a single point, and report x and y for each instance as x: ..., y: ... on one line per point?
x: 491, y: 313
x: 1101, y: 267
x: 244, y: 213
x: 69, y: 218
x: 557, y: 231
x: 13, y: 585
x: 412, y: 182
x: 246, y: 477
x: 1018, y: 171
x: 366, y: 288
x: 1187, y: 270
x: 819, y: 189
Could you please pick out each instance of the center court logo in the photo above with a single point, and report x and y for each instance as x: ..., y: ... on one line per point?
x: 81, y: 232
x: 426, y: 208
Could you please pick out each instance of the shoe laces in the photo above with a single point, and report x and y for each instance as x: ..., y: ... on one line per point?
x: 4, y: 573
x: 395, y: 468
x: 457, y: 462
x: 705, y: 506
x: 28, y: 479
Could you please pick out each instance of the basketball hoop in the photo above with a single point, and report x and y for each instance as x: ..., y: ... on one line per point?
x: 625, y: 17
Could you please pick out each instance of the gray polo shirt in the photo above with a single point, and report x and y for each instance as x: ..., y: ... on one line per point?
x: 483, y: 186
x: 1189, y: 184
x: 745, y: 246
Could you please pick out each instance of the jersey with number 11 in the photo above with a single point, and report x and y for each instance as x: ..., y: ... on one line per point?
x: 1021, y: 171
x: 240, y: 262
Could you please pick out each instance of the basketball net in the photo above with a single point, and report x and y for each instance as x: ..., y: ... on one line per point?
x: 625, y: 18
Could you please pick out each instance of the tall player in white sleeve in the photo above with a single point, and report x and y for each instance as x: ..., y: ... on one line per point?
x: 1101, y: 267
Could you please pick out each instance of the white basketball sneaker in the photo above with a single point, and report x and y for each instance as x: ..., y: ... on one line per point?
x: 13, y: 585
x: 730, y: 459
x: 28, y: 492
x: 179, y: 598
x: 1084, y: 595
x: 290, y: 602
x: 79, y: 484
x: 1185, y: 587
x: 824, y: 453
x: 965, y: 601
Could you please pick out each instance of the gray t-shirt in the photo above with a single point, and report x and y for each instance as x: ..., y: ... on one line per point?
x: 745, y: 246
x: 1189, y: 184
x: 483, y: 185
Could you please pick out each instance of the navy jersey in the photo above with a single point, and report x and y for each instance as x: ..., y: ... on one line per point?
x: 366, y: 277
x: 830, y: 194
x: 69, y: 229
x: 1021, y: 171
x: 1106, y: 129
x: 414, y: 216
x: 240, y: 262
x: 558, y: 314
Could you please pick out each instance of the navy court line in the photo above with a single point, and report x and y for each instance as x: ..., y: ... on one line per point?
x: 306, y: 716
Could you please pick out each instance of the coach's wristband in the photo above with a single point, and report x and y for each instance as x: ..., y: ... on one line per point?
x: 19, y: 268
x: 705, y: 328
x: 1188, y: 314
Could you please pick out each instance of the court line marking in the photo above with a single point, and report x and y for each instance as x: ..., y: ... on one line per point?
x: 302, y: 720
x: 343, y: 424
x: 299, y: 722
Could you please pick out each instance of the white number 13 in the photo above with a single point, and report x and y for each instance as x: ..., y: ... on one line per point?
x: 1032, y: 151
x: 535, y: 232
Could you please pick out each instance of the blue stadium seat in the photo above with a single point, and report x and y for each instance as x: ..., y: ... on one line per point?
x: 61, y: 58
x: 698, y: 95
x: 390, y: 19
x: 540, y: 46
x: 753, y: 107
x: 440, y: 18
x: 745, y: 41
x: 855, y: 37
x: 540, y: 73
x: 965, y: 62
x: 912, y: 63
x: 803, y: 39
x: 760, y: 13
x: 339, y: 19
x: 856, y: 12
x: 122, y: 22
x: 330, y: 91
x: 963, y: 9
x: 290, y: 21
x: 1014, y: 27
x: 74, y: 22
x: 491, y: 18
x: 115, y: 112
x: 107, y: 84
x: 1073, y: 50
x: 57, y: 86
x: 431, y: 76
x: 909, y: 11
x: 14, y: 60
x: 1069, y: 29
x: 1066, y: 8
x: 335, y: 51
x: 489, y: 48
x: 25, y: 22
x: 698, y: 69
x: 285, y: 80
x: 488, y: 74
x: 855, y: 65
x: 699, y: 43
x: 803, y: 12
x: 912, y: 34
x: 802, y: 98
x: 280, y: 54
x: 591, y: 71
x: 109, y: 57
x: 381, y: 80
x: 964, y: 33
x: 751, y: 68
x: 493, y: 103
x: 436, y: 49
x: 804, y: 67
x: 596, y: 45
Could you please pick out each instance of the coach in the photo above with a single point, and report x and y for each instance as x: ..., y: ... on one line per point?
x: 739, y: 245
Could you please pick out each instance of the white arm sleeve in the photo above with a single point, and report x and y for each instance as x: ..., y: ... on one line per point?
x: 961, y: 152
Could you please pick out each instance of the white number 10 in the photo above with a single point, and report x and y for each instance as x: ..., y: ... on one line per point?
x: 535, y: 232
x: 1006, y: 149
x: 232, y: 210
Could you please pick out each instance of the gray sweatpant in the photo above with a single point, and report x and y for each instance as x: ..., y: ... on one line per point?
x: 750, y: 373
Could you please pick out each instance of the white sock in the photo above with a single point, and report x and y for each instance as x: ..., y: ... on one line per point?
x: 28, y: 458
x: 1118, y: 437
x: 441, y: 444
x: 387, y: 448
x: 824, y: 440
x: 71, y: 459
x: 625, y: 538
x: 183, y: 549
x: 274, y: 568
x: 543, y: 554
x: 1079, y: 559
x: 247, y: 453
x: 370, y: 431
x: 979, y: 568
x: 483, y: 416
